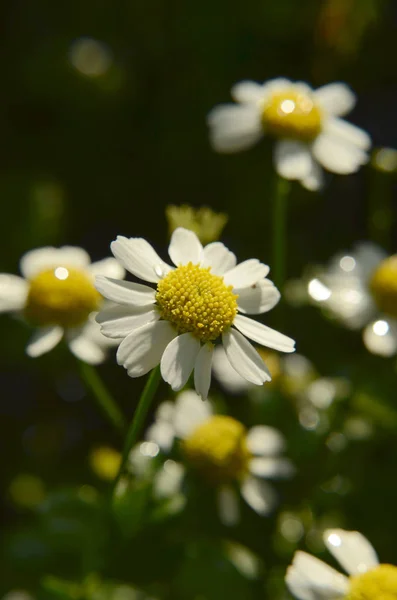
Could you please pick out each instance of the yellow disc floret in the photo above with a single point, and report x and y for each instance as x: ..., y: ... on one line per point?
x: 61, y: 296
x: 292, y: 114
x: 377, y: 584
x: 196, y: 301
x: 383, y: 286
x: 218, y: 449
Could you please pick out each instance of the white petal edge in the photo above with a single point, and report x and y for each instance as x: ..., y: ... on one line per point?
x: 168, y: 481
x: 162, y: 434
x: 228, y: 506
x: 320, y: 578
x: 268, y: 467
x: 244, y: 358
x: 218, y: 257
x: 259, y: 298
x: 314, y: 180
x: 234, y: 127
x: 246, y: 273
x: 248, y: 92
x: 85, y: 349
x: 348, y: 132
x: 139, y: 258
x: 292, y: 159
x: 179, y: 359
x: 202, y: 370
x: 265, y: 441
x: 264, y: 335
x: 185, y: 247
x: 35, y: 261
x: 119, y: 321
x: 335, y: 98
x: 13, y: 292
x: 337, y: 156
x: 259, y: 495
x: 190, y: 412
x: 351, y: 549
x: 228, y: 377
x: 44, y: 340
x: 298, y: 585
x: 125, y: 292
x: 109, y: 267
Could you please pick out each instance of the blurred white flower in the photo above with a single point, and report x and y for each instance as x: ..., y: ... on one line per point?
x: 360, y: 290
x: 305, y: 122
x: 309, y: 578
x: 57, y: 294
x: 194, y: 304
x: 222, y: 452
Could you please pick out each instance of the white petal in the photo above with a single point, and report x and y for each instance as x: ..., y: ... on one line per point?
x: 228, y: 507
x: 348, y: 132
x: 260, y: 297
x: 276, y: 85
x: 234, y: 127
x: 218, y: 257
x: 139, y: 258
x: 86, y: 349
x: 228, y: 377
x: 184, y: 247
x: 13, y: 292
x: 298, y: 585
x: 380, y: 337
x: 246, y: 273
x: 38, y: 260
x: 265, y: 441
x: 119, y: 321
x: 202, y: 370
x: 271, y: 467
x: 314, y: 180
x: 368, y: 256
x: 292, y: 160
x: 162, y: 434
x: 244, y: 358
x: 335, y: 98
x: 190, y: 412
x: 259, y: 495
x: 142, y: 349
x: 351, y: 549
x: 324, y: 581
x: 125, y: 292
x: 248, y: 92
x: 168, y: 481
x: 44, y: 340
x: 264, y: 335
x: 178, y: 360
x: 109, y: 267
x: 338, y: 156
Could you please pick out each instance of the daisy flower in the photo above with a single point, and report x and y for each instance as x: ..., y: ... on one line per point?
x: 194, y: 304
x: 309, y: 578
x: 56, y: 293
x: 224, y: 454
x: 360, y: 290
x: 306, y: 124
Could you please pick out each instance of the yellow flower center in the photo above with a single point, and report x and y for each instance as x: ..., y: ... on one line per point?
x: 218, y: 449
x: 383, y: 286
x: 377, y: 584
x: 61, y: 296
x: 292, y: 114
x: 196, y: 301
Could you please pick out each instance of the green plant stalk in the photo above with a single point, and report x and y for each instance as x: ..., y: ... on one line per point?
x: 279, y: 233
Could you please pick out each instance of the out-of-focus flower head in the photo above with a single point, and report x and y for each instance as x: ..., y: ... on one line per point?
x: 306, y: 124
x: 206, y: 224
x: 105, y: 462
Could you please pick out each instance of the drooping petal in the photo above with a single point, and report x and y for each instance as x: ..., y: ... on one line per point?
x: 139, y: 258
x: 264, y: 335
x: 316, y: 576
x: 269, y: 467
x: 351, y: 549
x: 314, y: 180
x: 185, y: 247
x: 228, y: 508
x: 109, y: 267
x: 348, y: 132
x: 119, y: 321
x: 228, y: 377
x: 234, y: 127
x: 244, y: 358
x: 202, y: 370
x: 13, y: 292
x: 125, y: 292
x: 259, y: 495
x: 142, y: 349
x: 218, y: 257
x: 179, y: 359
x: 248, y: 92
x: 246, y: 273
x: 85, y: 348
x: 292, y: 159
x: 44, y: 340
x: 265, y: 441
x: 298, y: 585
x: 258, y: 298
x: 35, y: 261
x: 335, y: 98
x: 338, y: 156
x: 190, y: 412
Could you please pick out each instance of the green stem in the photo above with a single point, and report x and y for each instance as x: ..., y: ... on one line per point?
x: 102, y: 396
x: 279, y: 233
x: 139, y: 417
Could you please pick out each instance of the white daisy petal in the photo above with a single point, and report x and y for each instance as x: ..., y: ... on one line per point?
x: 259, y: 298
x: 324, y: 581
x: 44, y: 340
x: 120, y: 321
x: 202, y: 370
x: 244, y: 358
x: 13, y: 292
x: 259, y: 495
x: 234, y: 127
x: 139, y: 258
x: 264, y: 335
x: 185, y: 247
x: 368, y: 256
x: 85, y: 348
x: 219, y: 258
x: 162, y: 434
x: 125, y: 292
x: 274, y: 86
x: 142, y: 349
x: 40, y: 259
x: 314, y: 180
x: 298, y: 585
x: 179, y: 359
x: 265, y: 441
x: 226, y: 375
x: 248, y: 92
x: 190, y: 412
x: 351, y: 549
x: 380, y: 338
x: 292, y: 159
x: 228, y: 507
x: 335, y: 98
x: 271, y: 467
x: 246, y: 273
x: 168, y: 481
x: 336, y: 155
x: 347, y: 132
x: 109, y: 267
